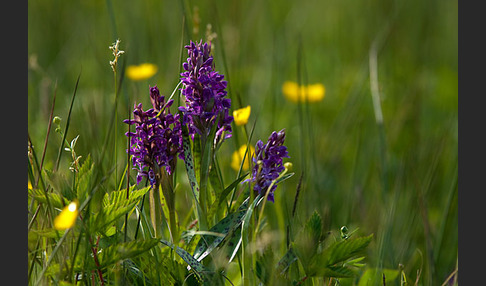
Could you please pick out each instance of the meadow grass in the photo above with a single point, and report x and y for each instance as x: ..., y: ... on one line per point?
x: 378, y: 154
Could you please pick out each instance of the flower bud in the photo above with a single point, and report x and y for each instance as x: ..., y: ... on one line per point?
x: 288, y: 166
x: 56, y: 120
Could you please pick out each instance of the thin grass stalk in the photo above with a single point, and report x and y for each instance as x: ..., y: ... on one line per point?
x: 186, y: 20
x: 445, y: 219
x: 127, y: 169
x: 242, y: 162
x: 116, y: 125
x: 68, y: 120
x: 299, y: 107
x: 34, y: 258
x: 375, y: 93
x: 265, y: 202
x: 31, y: 178
x: 51, y: 115
x: 181, y: 50
x: 112, y: 118
x: 373, y: 73
x: 141, y: 209
x: 111, y: 14
x: 223, y: 56
x: 94, y: 250
x: 32, y: 264
x: 245, y: 233
x: 73, y: 259
x: 45, y: 189
x: 49, y: 261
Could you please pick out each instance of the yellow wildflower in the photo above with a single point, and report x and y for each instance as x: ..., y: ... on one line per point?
x: 311, y: 93
x: 29, y: 186
x: 241, y: 115
x: 67, y: 217
x: 141, y: 72
x: 238, y: 155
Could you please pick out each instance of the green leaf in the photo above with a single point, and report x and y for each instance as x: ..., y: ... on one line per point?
x: 216, y: 187
x: 314, y: 227
x: 189, y: 163
x: 345, y: 249
x: 286, y: 261
x: 191, y: 175
x: 247, y: 217
x: 59, y: 184
x: 228, y: 224
x: 307, y: 240
x: 374, y: 276
x: 232, y: 244
x: 83, y: 178
x: 121, y: 251
x: 264, y: 267
x: 115, y: 205
x: 48, y: 233
x: 195, y: 265
x: 333, y: 260
x: 228, y: 189
x: 338, y: 272
x: 284, y: 177
x: 215, y: 183
x: 55, y: 200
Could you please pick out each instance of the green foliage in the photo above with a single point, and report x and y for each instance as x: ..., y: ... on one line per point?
x: 126, y: 250
x: 285, y: 262
x: 264, y: 267
x: 307, y: 240
x: 332, y: 261
x: 84, y: 178
x: 115, y: 205
x: 207, y: 243
x: 324, y: 258
x: 56, y: 200
x: 206, y: 276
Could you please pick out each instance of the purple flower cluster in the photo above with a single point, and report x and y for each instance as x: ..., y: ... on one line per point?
x: 268, y: 163
x: 157, y: 138
x: 204, y: 91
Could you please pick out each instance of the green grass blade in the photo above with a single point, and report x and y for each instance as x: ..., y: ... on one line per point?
x: 228, y: 189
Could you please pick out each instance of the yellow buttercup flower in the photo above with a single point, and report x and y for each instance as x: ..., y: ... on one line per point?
x: 67, y: 217
x: 310, y: 93
x: 141, y: 72
x: 241, y: 115
x: 238, y: 155
x: 29, y: 186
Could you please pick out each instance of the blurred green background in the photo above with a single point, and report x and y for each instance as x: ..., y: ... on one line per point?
x: 398, y: 180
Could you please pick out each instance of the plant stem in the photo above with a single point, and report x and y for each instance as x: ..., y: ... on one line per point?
x: 169, y: 195
x: 155, y: 209
x: 94, y: 250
